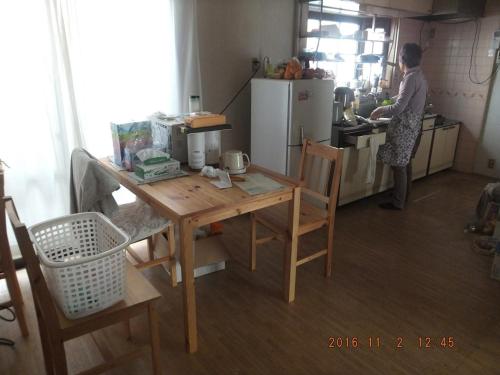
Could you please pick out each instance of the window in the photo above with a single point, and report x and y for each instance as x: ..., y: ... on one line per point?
x: 68, y: 70
x: 354, y: 47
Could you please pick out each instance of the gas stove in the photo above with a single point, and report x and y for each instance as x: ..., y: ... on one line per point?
x: 341, y: 130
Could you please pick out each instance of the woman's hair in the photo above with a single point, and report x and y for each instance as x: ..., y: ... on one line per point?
x: 410, y: 54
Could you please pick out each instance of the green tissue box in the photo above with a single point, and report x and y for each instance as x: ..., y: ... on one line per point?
x: 168, y: 168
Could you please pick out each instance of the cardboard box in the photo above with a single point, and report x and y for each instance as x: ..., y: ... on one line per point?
x: 210, y: 255
x: 128, y: 138
x: 155, y: 170
x: 201, y: 121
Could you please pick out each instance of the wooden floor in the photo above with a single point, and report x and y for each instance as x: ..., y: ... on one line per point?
x: 404, y: 274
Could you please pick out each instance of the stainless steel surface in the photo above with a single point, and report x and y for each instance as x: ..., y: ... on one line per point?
x: 338, y: 112
x: 367, y: 103
x: 344, y: 95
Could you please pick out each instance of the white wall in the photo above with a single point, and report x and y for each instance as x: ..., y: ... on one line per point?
x: 489, y: 146
x: 230, y: 33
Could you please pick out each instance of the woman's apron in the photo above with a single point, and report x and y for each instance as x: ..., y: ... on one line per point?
x: 402, y: 132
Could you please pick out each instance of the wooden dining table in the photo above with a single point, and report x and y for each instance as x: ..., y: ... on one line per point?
x: 192, y: 201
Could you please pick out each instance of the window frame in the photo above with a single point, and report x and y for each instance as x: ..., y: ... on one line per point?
x: 364, y: 22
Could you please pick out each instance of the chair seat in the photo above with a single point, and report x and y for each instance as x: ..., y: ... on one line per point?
x: 311, y: 217
x: 139, y: 220
x: 138, y: 292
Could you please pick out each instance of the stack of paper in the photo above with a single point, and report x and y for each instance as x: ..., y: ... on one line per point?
x: 257, y: 183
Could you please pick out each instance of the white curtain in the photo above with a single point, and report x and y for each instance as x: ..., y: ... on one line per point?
x: 69, y: 68
x: 188, y: 62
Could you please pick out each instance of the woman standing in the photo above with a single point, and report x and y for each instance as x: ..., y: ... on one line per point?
x: 404, y: 130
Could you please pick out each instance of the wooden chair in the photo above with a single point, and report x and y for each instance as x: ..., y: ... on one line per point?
x: 7, y: 268
x: 170, y: 260
x: 137, y: 219
x: 311, y: 216
x: 55, y: 329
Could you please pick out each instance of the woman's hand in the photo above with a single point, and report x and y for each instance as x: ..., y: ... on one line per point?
x: 377, y: 113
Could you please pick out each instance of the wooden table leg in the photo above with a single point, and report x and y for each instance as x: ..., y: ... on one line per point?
x: 253, y: 245
x: 188, y: 292
x: 290, y: 269
x: 171, y: 253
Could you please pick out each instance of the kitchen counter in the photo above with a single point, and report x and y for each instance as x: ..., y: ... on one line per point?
x: 436, y: 152
x: 447, y: 122
x: 382, y: 126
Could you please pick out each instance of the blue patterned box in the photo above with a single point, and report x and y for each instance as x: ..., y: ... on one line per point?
x: 129, y: 138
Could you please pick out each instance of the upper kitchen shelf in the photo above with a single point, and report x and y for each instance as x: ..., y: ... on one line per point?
x: 318, y: 35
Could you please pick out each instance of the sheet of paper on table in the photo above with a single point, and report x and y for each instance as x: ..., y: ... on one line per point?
x: 223, y: 182
x: 257, y: 183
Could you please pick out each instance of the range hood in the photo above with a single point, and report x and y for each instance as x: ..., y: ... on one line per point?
x: 454, y: 10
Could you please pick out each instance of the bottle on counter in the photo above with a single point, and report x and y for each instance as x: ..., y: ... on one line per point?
x: 194, y: 104
x: 355, y: 104
x: 195, y: 141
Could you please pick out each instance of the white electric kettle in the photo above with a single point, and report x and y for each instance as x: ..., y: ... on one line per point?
x: 233, y: 162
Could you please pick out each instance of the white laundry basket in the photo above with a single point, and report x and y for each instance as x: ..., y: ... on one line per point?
x: 83, y: 259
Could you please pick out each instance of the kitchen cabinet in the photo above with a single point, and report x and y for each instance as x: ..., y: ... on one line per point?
x: 443, y: 148
x: 436, y: 152
x: 414, y: 6
x: 353, y: 185
x: 421, y: 160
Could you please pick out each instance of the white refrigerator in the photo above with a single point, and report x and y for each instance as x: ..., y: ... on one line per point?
x: 282, y: 114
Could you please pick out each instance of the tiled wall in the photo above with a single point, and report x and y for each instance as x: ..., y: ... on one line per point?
x: 446, y: 66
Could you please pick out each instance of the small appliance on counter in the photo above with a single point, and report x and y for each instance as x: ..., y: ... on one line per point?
x: 203, y: 147
x: 233, y: 162
x: 346, y: 123
x: 367, y: 103
x: 345, y: 96
x: 338, y: 113
x: 167, y: 135
x: 196, y: 150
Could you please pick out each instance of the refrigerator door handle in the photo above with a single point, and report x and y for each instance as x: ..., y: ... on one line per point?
x: 301, y: 135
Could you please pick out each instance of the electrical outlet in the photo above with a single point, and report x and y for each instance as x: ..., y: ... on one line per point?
x: 491, y: 163
x: 255, y: 64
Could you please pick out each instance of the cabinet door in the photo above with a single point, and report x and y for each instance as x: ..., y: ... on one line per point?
x: 451, y: 145
x: 419, y: 163
x: 443, y: 148
x: 414, y: 6
x: 438, y: 148
x: 353, y: 183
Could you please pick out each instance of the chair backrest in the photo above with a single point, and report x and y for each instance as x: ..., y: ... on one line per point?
x: 41, y: 294
x: 321, y: 158
x: 5, y: 254
x: 91, y: 186
x: 4, y: 241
